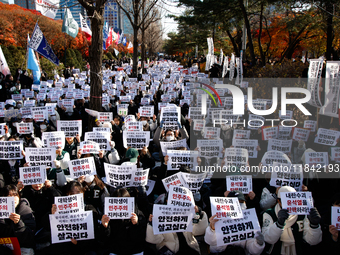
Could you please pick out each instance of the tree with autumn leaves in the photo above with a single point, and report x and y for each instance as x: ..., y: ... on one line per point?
x: 275, y: 29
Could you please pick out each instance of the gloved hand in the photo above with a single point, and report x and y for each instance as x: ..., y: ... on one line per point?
x: 259, y: 238
x: 179, y: 124
x: 162, y: 122
x: 281, y: 217
x: 314, y: 217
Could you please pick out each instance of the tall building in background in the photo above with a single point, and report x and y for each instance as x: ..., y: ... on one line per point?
x: 4, y: 1
x: 27, y: 4
x: 75, y: 10
x: 111, y: 14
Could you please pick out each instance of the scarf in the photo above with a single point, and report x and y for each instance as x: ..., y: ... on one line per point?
x: 287, y: 237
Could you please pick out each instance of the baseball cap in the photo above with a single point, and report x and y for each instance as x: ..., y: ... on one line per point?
x: 132, y: 153
x: 285, y: 189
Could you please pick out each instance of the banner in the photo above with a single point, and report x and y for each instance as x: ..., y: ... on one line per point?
x: 119, y: 207
x: 332, y: 84
x: 171, y: 219
x: 39, y: 43
x: 297, y: 202
x: 32, y: 175
x: 11, y: 150
x: 77, y: 225
x: 48, y: 8
x: 313, y: 85
x: 237, y: 230
x: 70, y: 128
x: 85, y: 28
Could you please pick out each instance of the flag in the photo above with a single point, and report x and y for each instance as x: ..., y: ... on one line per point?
x: 105, y: 34
x: 124, y: 41
x: 48, y: 8
x: 70, y: 25
x: 33, y: 64
x: 85, y: 28
x: 114, y: 37
x: 39, y: 43
x: 3, y: 64
x: 121, y: 38
x: 130, y: 45
x: 109, y: 38
x: 117, y: 39
x: 116, y: 52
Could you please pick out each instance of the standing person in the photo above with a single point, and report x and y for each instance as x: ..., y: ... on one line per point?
x: 290, y: 234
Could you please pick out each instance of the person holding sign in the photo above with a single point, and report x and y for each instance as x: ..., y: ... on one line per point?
x: 125, y: 237
x: 71, y: 145
x: 252, y: 246
x: 284, y: 233
x: 22, y: 222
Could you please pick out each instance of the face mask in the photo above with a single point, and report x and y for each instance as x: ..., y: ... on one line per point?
x: 89, y: 178
x: 19, y: 106
x: 144, y: 122
x: 43, y: 128
x: 169, y: 138
x: 243, y: 206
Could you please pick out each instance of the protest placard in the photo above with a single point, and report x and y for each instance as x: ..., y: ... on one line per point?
x: 69, y: 204
x: 89, y: 147
x: 32, y: 175
x: 255, y: 122
x: 297, y: 202
x: 25, y: 128
x: 273, y: 156
x: 175, y: 179
x: 199, y: 125
x: 236, y: 157
x: 70, y: 128
x: 119, y: 175
x: 77, y: 225
x: 134, y: 126
x: 237, y: 230
x: 179, y: 158
x: 210, y: 148
x: 212, y: 132
x: 194, y: 181
x: 119, y: 207
x: 105, y: 116
x: 83, y: 166
x: 55, y: 139
x: 316, y: 159
x: 170, y: 115
x: 269, y: 133
x: 243, y: 183
x: 241, y: 134
x: 287, y: 175
x: 11, y: 150
x: 39, y: 114
x: 171, y: 219
x: 311, y: 124
x: 249, y: 144
x: 180, y: 196
x: 336, y: 217
x: 146, y: 111
x: 335, y: 154
x: 300, y: 134
x: 284, y: 133
x: 226, y: 207
x: 40, y: 156
x: 173, y: 145
x: 102, y: 138
x: 7, y: 206
x: 136, y: 139
x: 195, y: 113
x: 284, y: 146
x: 327, y: 137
